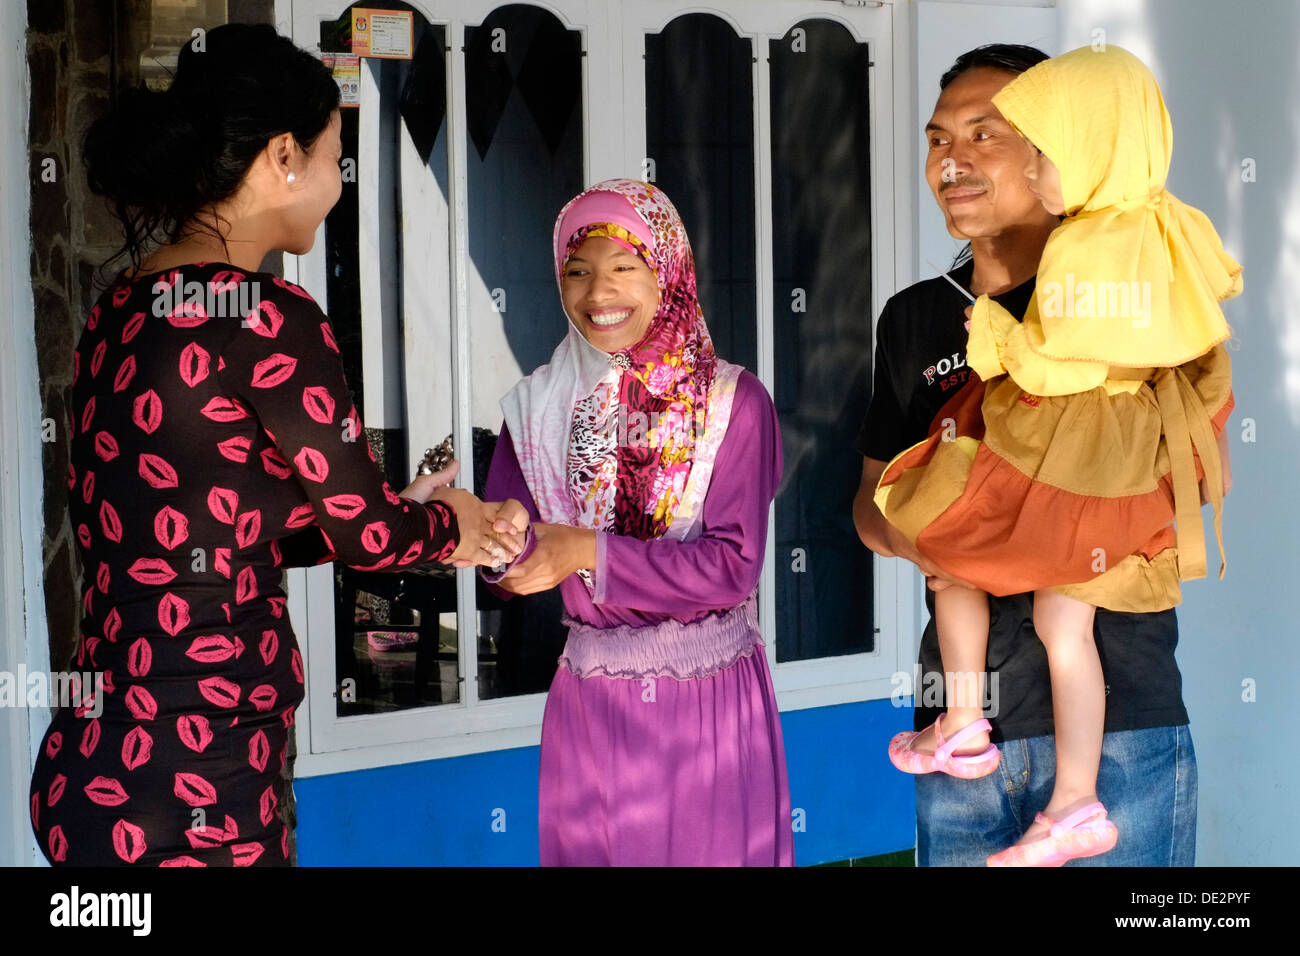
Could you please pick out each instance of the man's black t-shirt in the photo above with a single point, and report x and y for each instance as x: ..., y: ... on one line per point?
x: 920, y: 364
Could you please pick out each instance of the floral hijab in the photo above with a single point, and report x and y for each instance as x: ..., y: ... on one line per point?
x: 624, y: 442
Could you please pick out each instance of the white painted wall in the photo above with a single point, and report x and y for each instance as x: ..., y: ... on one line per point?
x: 1230, y: 78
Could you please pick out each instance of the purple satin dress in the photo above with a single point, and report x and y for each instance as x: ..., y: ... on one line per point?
x: 661, y: 742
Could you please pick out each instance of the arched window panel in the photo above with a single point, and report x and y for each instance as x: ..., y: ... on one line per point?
x: 524, y: 159
x: 700, y: 151
x: 821, y: 248
x: 396, y: 640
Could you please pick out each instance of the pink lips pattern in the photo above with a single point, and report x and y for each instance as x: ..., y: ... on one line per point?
x: 195, y: 790
x: 170, y: 527
x: 157, y: 471
x: 265, y: 320
x: 211, y: 649
x: 90, y: 738
x: 139, y: 658
x: 194, y: 364
x: 146, y: 411
x: 236, y: 449
x: 106, y: 792
x: 128, y: 841
x: 137, y: 748
x: 200, y: 444
x: 319, y: 404
x: 258, y: 751
x: 194, y: 731
x: 106, y: 446
x: 131, y: 327
x: 125, y: 372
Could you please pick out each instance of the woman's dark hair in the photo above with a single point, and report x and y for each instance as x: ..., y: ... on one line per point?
x: 162, y: 158
x: 1012, y: 57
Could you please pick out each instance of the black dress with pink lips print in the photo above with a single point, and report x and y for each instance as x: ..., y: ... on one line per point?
x: 214, y: 443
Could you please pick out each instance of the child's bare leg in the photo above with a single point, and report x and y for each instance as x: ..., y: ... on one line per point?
x: 1064, y: 625
x: 962, y: 619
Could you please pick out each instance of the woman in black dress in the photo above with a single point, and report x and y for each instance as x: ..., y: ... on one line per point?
x: 214, y: 443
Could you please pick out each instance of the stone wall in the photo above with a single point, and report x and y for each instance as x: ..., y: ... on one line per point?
x: 71, y: 61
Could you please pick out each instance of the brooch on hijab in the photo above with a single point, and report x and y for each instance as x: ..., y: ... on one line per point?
x: 620, y: 361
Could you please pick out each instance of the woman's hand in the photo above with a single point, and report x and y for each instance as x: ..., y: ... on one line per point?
x: 491, y: 532
x: 560, y: 551
x: 509, y: 526
x: 938, y: 582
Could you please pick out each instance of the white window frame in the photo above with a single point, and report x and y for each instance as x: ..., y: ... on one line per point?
x: 613, y: 40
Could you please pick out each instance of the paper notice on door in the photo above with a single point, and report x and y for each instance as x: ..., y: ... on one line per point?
x: 382, y: 33
x: 347, y: 74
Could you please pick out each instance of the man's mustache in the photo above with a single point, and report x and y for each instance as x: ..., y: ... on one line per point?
x: 964, y: 182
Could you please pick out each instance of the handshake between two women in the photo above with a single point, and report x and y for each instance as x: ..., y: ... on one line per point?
x: 491, y: 533
x: 495, y: 533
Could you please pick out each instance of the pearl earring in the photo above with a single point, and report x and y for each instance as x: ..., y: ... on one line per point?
x: 290, y: 178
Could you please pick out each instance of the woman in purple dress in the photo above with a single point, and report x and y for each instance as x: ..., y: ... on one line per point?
x: 648, y: 466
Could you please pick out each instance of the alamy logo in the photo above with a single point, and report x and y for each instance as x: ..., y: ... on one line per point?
x: 1101, y: 300
x: 957, y: 688
x: 225, y: 295
x: 641, y: 429
x: 83, y: 691
x: 74, y: 908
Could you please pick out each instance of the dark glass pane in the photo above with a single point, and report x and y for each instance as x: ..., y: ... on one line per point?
x: 523, y: 85
x: 700, y: 138
x: 821, y: 246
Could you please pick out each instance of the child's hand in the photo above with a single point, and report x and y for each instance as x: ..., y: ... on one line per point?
x: 423, y: 487
x: 969, y: 309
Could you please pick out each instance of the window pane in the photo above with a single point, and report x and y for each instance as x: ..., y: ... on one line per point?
x: 523, y: 84
x: 700, y: 138
x: 395, y: 634
x: 822, y: 333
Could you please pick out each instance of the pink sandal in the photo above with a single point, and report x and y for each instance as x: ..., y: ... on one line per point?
x: 1085, y: 832
x: 902, y: 756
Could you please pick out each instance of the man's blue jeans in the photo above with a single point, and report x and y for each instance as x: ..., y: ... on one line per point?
x: 1147, y: 782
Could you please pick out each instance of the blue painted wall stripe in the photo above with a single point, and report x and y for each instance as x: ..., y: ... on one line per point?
x: 441, y: 812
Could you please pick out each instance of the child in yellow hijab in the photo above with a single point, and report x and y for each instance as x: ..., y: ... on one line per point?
x: 1061, y: 467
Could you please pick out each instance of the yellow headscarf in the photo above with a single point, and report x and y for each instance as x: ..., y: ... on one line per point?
x: 1098, y: 115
